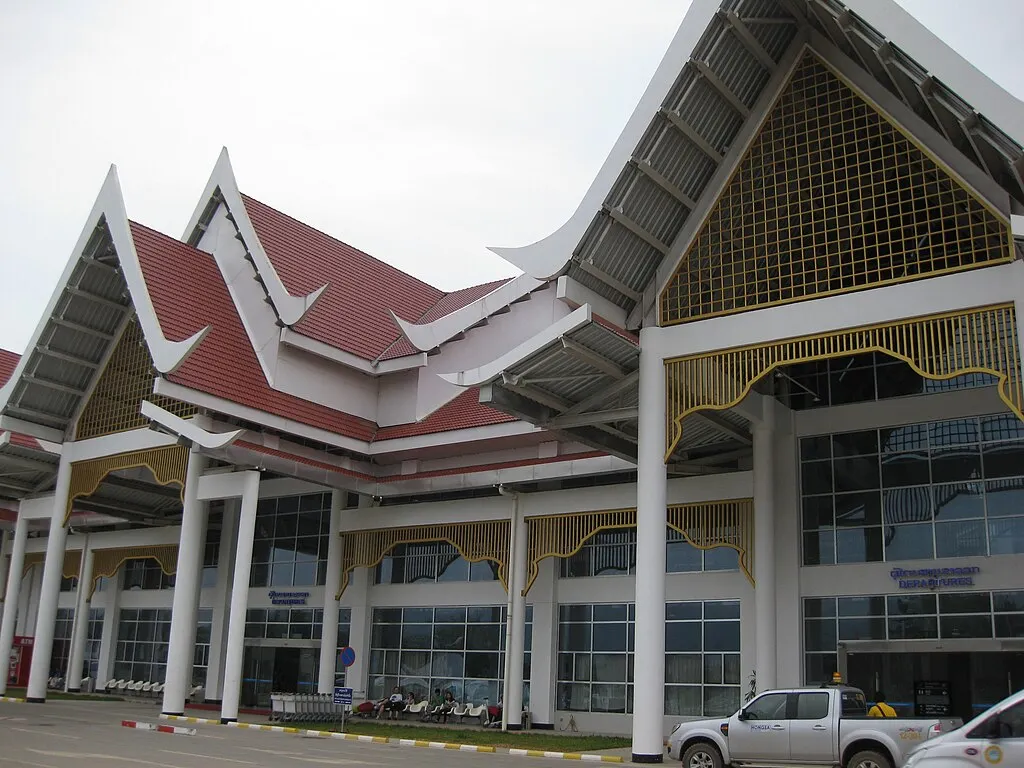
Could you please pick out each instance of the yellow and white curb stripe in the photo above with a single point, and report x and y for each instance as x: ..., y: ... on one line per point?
x: 400, y: 742
x: 442, y: 745
x: 348, y: 736
x: 11, y: 700
x: 566, y: 755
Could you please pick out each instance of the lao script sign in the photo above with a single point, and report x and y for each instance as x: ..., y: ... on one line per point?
x: 934, y: 578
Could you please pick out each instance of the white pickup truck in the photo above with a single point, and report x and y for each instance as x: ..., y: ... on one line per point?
x: 825, y: 726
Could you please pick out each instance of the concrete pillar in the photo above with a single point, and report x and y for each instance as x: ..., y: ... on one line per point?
x: 221, y: 601
x: 764, y: 550
x: 239, y: 599
x: 4, y: 537
x: 356, y: 597
x: 329, y: 635
x: 13, y: 590
x: 111, y: 621
x: 80, y: 625
x: 185, y: 602
x: 513, y: 700
x: 544, y: 645
x: 652, y: 520
x: 53, y: 568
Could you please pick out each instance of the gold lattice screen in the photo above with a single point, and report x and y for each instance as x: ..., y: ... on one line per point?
x: 126, y: 381
x: 936, y: 346
x: 475, y: 541
x: 69, y: 569
x: 830, y: 198
x: 726, y: 523
x: 107, y: 561
x: 168, y: 465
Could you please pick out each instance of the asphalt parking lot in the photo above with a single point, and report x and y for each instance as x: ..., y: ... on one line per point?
x: 73, y: 734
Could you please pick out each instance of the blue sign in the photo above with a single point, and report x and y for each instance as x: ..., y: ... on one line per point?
x: 342, y: 695
x: 934, y: 578
x: 288, y: 598
x: 347, y: 656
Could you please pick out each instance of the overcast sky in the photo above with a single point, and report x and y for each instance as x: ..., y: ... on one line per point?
x: 420, y: 132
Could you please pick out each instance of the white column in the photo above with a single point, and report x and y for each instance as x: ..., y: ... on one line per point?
x: 239, y: 599
x: 513, y: 700
x: 111, y: 621
x: 329, y: 634
x: 80, y: 625
x: 10, y: 616
x: 53, y: 568
x: 3, y: 565
x: 652, y: 519
x: 221, y: 601
x: 356, y: 598
x: 187, y: 578
x: 544, y: 646
x: 764, y: 550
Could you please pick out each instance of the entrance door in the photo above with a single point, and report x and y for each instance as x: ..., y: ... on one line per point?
x: 257, y: 676
x: 286, y: 670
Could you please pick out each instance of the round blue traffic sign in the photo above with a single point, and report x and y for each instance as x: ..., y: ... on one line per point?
x: 347, y: 656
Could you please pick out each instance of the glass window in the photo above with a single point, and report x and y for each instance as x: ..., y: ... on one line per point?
x: 290, y: 547
x: 771, y: 706
x: 811, y: 706
x: 433, y: 561
x: 142, y: 642
x: 942, y: 489
x: 450, y: 648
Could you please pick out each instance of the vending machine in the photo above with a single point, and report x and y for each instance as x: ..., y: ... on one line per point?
x: 20, y: 662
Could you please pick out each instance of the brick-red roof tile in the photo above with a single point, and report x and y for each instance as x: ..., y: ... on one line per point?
x: 464, y: 412
x: 8, y: 362
x: 352, y: 315
x: 188, y: 293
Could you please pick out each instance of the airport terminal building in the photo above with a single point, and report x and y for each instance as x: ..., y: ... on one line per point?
x: 751, y: 416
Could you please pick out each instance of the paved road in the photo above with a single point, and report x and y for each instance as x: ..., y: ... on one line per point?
x: 72, y: 734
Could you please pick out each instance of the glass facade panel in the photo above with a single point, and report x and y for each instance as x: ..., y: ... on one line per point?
x: 916, y: 492
x: 429, y: 562
x: 290, y: 541
x: 142, y: 639
x: 450, y: 648
x: 702, y: 662
x: 613, y: 553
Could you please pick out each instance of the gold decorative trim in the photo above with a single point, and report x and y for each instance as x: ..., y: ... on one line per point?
x: 126, y: 381
x: 726, y: 523
x: 106, y: 562
x: 938, y: 347
x: 70, y: 569
x: 168, y: 465
x: 563, y: 536
x: 718, y: 524
x: 832, y: 196
x: 475, y: 541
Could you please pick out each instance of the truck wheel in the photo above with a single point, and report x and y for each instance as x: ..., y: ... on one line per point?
x: 869, y: 759
x: 702, y: 755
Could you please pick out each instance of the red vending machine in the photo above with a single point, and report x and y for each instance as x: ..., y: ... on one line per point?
x: 20, y: 662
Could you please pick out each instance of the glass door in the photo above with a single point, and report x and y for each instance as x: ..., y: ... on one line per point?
x: 257, y: 676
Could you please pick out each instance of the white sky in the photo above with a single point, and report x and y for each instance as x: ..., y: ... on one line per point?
x: 418, y: 132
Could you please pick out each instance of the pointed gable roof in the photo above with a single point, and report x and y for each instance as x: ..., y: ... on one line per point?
x: 352, y: 314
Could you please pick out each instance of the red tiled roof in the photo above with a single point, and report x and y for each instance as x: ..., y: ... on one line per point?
x: 464, y: 412
x: 445, y: 306
x: 24, y: 441
x: 8, y: 362
x: 352, y: 315
x: 188, y: 293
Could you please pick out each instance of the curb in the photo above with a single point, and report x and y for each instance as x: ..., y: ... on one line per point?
x: 566, y: 756
x: 442, y: 745
x: 11, y: 700
x: 159, y: 728
x: 401, y: 742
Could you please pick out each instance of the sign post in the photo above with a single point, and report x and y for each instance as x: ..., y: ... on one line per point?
x: 343, y: 696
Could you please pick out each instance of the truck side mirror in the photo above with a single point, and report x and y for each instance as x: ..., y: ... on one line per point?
x: 743, y: 715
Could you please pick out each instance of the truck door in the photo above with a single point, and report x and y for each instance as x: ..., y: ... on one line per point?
x: 811, y: 735
x: 760, y: 732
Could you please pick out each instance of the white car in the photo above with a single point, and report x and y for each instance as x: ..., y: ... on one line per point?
x: 993, y: 738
